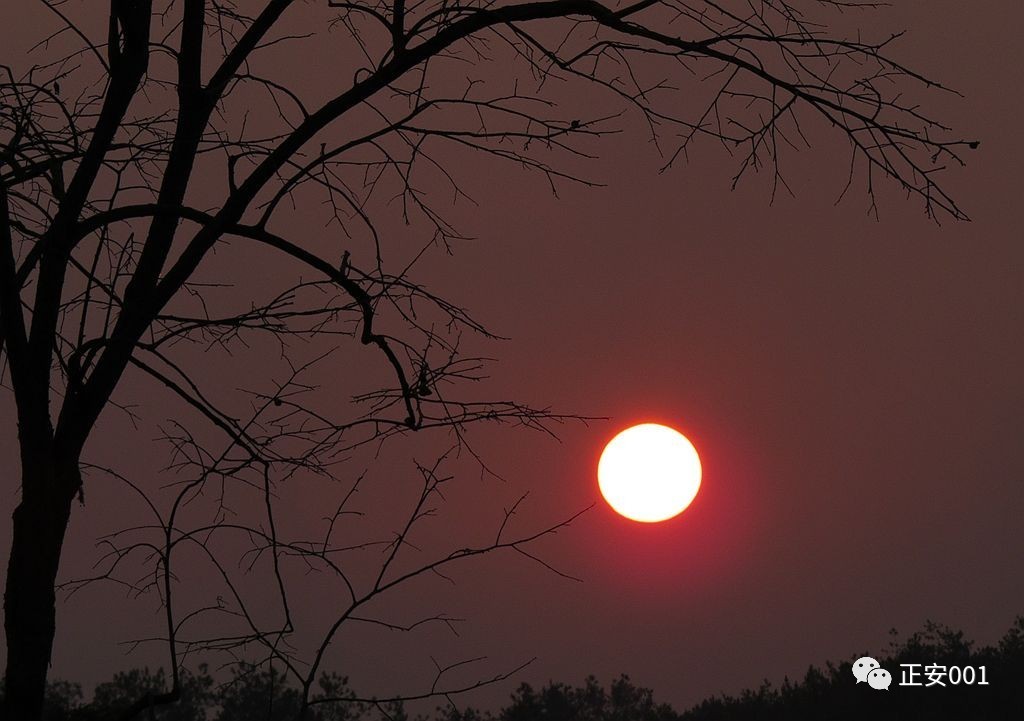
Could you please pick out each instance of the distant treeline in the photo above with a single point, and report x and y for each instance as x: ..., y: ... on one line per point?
x: 828, y: 694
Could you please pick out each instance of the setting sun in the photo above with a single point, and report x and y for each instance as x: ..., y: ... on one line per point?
x: 649, y: 473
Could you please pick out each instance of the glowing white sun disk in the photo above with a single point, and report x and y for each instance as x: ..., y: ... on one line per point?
x: 649, y: 473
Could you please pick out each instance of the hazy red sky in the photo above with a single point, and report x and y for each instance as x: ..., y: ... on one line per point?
x: 852, y: 385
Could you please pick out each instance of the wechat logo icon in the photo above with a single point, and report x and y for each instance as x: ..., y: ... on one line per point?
x: 862, y: 667
x: 867, y: 669
x: 880, y: 679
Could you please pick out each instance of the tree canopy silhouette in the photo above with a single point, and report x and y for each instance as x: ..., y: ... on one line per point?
x: 141, y: 149
x: 829, y: 692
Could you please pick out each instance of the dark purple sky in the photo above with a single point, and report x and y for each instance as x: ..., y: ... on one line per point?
x: 853, y: 387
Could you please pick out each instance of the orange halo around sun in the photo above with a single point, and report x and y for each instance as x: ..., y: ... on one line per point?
x: 649, y: 473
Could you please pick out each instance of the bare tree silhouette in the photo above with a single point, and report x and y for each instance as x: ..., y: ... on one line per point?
x: 140, y: 145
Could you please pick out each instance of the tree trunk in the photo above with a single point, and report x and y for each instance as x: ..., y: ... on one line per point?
x: 40, y: 521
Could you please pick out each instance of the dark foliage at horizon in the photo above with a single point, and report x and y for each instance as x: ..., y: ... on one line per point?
x: 828, y: 693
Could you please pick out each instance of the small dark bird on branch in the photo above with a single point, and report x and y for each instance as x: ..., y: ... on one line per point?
x: 423, y: 383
